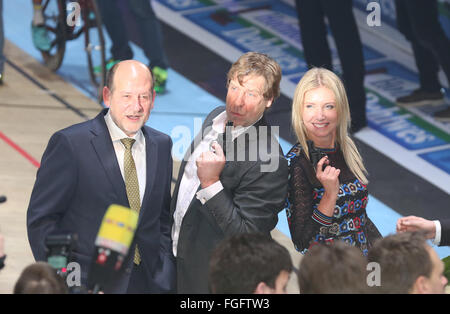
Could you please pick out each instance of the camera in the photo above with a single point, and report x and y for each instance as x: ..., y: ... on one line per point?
x: 315, y: 154
x: 59, y: 254
x: 59, y: 251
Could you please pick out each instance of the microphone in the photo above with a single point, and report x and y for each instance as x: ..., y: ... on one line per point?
x: 2, y: 198
x: 113, y: 241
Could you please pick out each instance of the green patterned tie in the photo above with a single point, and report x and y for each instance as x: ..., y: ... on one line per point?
x: 131, y: 184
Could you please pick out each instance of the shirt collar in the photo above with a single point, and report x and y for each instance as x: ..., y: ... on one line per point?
x: 117, y: 134
x: 220, y: 121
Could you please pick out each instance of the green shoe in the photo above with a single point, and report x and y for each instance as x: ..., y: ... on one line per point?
x: 109, y: 64
x: 41, y: 39
x: 160, y: 76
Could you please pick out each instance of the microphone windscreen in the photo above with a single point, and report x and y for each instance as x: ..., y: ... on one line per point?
x: 117, y: 229
x: 113, y: 241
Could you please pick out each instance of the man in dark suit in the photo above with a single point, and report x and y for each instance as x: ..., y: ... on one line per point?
x: 436, y: 230
x: 217, y: 196
x: 111, y: 159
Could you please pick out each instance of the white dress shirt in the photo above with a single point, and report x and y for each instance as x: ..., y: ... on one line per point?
x: 437, y: 237
x: 138, y: 152
x: 190, y: 182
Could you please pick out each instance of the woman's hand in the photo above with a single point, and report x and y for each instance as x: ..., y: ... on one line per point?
x: 329, y: 178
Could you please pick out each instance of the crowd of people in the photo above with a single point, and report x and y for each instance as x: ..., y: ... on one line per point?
x: 253, y: 263
x: 212, y: 234
x: 227, y: 196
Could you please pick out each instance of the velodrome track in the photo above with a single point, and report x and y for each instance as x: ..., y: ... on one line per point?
x: 34, y: 103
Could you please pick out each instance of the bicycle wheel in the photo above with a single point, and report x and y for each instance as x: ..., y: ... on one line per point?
x: 55, y: 22
x: 94, y: 44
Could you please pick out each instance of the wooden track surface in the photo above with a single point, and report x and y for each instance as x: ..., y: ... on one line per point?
x: 29, y: 115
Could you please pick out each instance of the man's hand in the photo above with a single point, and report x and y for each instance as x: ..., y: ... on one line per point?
x: 210, y: 165
x: 413, y: 223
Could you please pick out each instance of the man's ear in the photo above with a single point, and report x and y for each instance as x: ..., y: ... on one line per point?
x: 262, y: 288
x: 420, y: 285
x: 269, y: 103
x: 153, y: 99
x: 106, y: 96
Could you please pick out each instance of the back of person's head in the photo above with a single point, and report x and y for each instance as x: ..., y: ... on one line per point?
x: 39, y: 278
x: 333, y: 268
x: 406, y: 262
x: 247, y: 263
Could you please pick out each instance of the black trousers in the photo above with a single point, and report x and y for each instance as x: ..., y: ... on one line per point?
x: 148, y: 26
x: 418, y: 21
x: 313, y: 30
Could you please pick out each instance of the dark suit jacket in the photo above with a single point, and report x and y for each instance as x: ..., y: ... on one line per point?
x: 249, y: 202
x: 80, y: 177
x: 445, y: 232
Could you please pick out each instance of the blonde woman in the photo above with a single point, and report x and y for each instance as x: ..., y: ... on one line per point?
x: 328, y: 184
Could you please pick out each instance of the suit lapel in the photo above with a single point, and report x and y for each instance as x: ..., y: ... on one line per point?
x: 151, y: 156
x: 104, y: 149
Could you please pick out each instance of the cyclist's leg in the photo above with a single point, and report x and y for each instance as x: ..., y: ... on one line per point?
x: 38, y: 17
x: 41, y: 40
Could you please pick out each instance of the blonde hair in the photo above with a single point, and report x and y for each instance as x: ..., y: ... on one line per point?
x: 320, y: 77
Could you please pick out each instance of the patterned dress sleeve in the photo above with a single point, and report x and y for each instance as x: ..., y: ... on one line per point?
x: 299, y: 207
x: 308, y: 226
